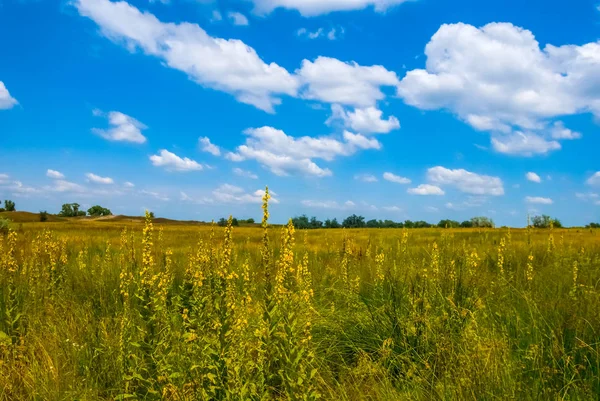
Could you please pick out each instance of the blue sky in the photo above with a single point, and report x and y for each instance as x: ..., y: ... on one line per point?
x: 393, y: 109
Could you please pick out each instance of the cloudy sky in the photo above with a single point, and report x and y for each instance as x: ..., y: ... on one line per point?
x: 396, y: 109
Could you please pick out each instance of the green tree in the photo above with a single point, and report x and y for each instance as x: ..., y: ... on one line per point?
x: 466, y: 224
x: 9, y: 206
x: 67, y: 210
x: 301, y: 222
x: 99, y: 211
x: 43, y: 216
x: 482, y: 222
x: 446, y: 223
x: 354, y: 221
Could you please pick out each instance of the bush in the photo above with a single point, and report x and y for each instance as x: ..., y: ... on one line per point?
x: 4, y: 225
x: 43, y: 216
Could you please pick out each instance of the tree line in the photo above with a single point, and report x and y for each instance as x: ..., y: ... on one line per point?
x: 9, y: 206
x: 355, y: 221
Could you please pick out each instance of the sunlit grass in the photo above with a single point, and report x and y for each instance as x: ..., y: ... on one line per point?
x: 101, y: 310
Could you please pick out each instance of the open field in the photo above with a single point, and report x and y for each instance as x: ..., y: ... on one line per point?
x: 126, y: 309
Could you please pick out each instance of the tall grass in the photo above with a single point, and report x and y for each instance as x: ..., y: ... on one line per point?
x: 128, y: 310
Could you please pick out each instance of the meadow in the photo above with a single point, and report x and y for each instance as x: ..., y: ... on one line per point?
x: 109, y: 309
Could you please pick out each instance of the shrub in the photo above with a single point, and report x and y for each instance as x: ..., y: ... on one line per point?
x: 4, y: 225
x: 43, y: 216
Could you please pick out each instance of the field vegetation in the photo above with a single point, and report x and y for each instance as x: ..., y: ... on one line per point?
x: 148, y: 309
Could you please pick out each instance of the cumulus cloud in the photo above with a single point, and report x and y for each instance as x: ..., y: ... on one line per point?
x: 99, y: 180
x: 172, y: 162
x: 330, y: 80
x: 128, y: 184
x: 245, y: 173
x: 594, y: 179
x: 123, y: 128
x: 395, y: 178
x: 313, y: 8
x: 497, y: 78
x: 365, y: 177
x: 282, y: 153
x: 237, y: 18
x: 57, y: 175
x: 231, y: 194
x: 538, y: 200
x: 207, y: 146
x: 228, y: 65
x: 533, y: 177
x: 559, y: 131
x: 6, y: 100
x: 523, y: 144
x: 65, y: 186
x: 366, y: 121
x: 466, y: 181
x: 426, y: 189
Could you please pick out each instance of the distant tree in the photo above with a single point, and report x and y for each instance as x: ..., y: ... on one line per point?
x: 466, y: 224
x: 593, y: 225
x: 354, y: 221
x: 409, y: 224
x: 43, y: 216
x: 250, y: 221
x: 97, y: 211
x: 9, y: 206
x: 422, y: 224
x: 222, y: 222
x: 151, y: 215
x: 482, y: 222
x: 235, y: 222
x: 545, y: 221
x: 67, y: 210
x: 448, y: 224
x: 373, y: 223
x: 314, y: 223
x: 75, y: 207
x: 301, y: 222
x: 332, y: 223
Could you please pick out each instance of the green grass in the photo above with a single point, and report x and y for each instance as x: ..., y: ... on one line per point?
x: 188, y: 311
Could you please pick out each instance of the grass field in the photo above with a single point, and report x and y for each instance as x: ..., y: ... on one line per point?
x: 131, y: 309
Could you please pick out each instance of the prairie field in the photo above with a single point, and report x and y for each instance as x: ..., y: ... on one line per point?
x: 114, y: 309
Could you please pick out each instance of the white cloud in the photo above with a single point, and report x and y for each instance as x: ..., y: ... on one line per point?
x: 156, y: 195
x: 99, y: 180
x: 230, y: 65
x: 128, y: 184
x: 123, y: 127
x: 497, y: 78
x: 594, y: 179
x: 523, y: 144
x: 245, y: 173
x: 57, y: 175
x: 426, y: 189
x: 586, y: 197
x: 16, y: 188
x: 65, y: 186
x: 392, y: 208
x: 538, y: 200
x: 6, y: 100
x: 533, y: 177
x: 185, y: 197
x: 366, y: 121
x: 216, y: 16
x: 237, y: 18
x: 282, y: 154
x: 311, y: 8
x: 432, y: 209
x: 231, y: 194
x: 332, y: 34
x: 172, y: 162
x: 330, y: 80
x: 365, y: 177
x: 208, y: 147
x: 4, y: 178
x: 327, y: 204
x: 466, y: 181
x: 395, y: 178
x: 559, y: 131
